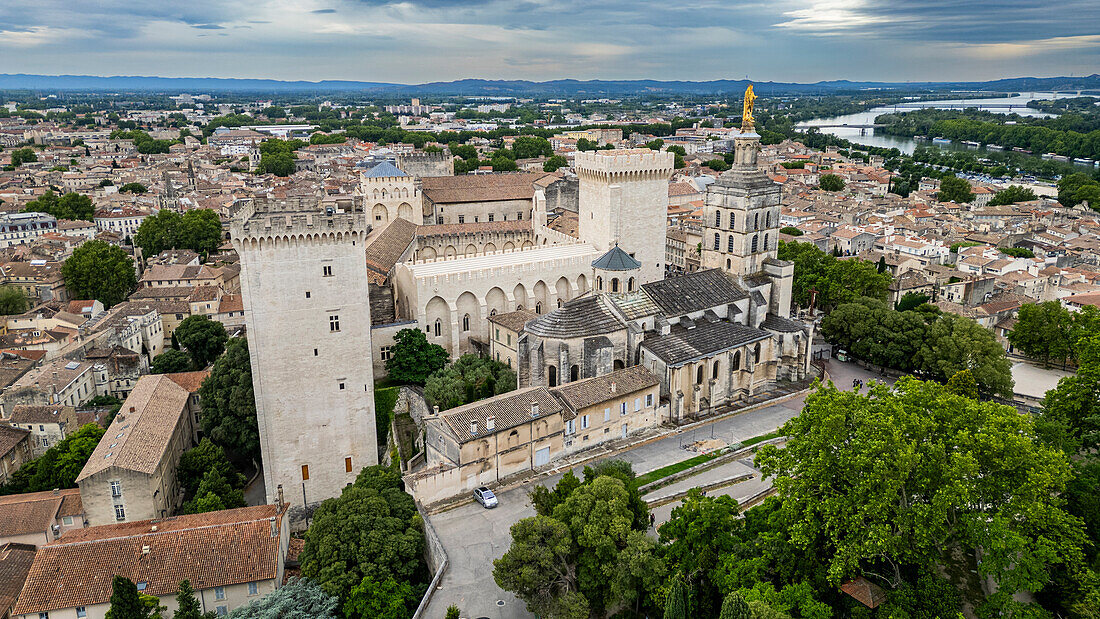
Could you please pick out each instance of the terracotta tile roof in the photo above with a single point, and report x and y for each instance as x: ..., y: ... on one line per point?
x: 191, y: 381
x: 480, y: 187
x: 35, y: 512
x: 15, y: 564
x: 10, y: 437
x: 513, y: 320
x: 865, y: 591
x: 162, y: 293
x: 211, y: 550
x: 139, y: 434
x: 681, y: 189
x: 508, y: 411
x: 387, y: 245
x: 590, y: 391
x: 203, y: 293
x: 33, y: 413
x: 231, y: 303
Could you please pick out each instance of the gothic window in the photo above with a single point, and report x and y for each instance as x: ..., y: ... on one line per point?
x: 538, y: 307
x: 438, y: 327
x: 736, y: 364
x: 493, y: 312
x: 574, y: 372
x: 714, y: 370
x: 717, y: 241
x: 765, y: 241
x: 755, y: 242
x: 717, y: 219
x: 699, y: 375
x: 756, y: 354
x: 559, y: 302
x: 768, y: 219
x: 599, y: 283
x: 756, y: 221
x: 630, y: 285
x: 552, y: 376
x: 614, y: 284
x: 729, y: 245
x: 466, y: 322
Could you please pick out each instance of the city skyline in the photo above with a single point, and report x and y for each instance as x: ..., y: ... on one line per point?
x: 438, y: 40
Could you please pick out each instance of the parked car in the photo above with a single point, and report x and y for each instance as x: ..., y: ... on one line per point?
x: 486, y: 497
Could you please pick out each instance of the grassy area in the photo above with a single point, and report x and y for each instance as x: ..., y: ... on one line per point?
x: 672, y: 469
x: 760, y: 439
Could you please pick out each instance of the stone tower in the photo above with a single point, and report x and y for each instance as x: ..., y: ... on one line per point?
x: 624, y: 199
x: 741, y: 224
x: 304, y: 281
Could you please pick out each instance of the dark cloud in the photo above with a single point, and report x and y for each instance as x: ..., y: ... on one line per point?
x: 208, y: 26
x: 323, y: 11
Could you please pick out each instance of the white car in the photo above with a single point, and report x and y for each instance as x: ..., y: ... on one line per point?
x: 486, y: 497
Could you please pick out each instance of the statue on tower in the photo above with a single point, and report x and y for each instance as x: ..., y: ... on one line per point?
x: 748, y: 123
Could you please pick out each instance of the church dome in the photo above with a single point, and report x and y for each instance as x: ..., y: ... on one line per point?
x: 616, y: 260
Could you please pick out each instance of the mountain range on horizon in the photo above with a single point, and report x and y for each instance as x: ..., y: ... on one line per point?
x: 505, y: 88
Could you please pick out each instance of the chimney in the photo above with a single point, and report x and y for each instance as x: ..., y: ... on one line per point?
x: 535, y: 408
x: 435, y: 411
x: 279, y: 493
x: 144, y: 550
x: 612, y: 386
x: 274, y: 528
x: 473, y: 428
x: 490, y: 422
x: 56, y: 491
x: 133, y: 409
x: 153, y: 529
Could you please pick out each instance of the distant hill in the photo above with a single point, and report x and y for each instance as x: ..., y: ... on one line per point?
x: 480, y: 87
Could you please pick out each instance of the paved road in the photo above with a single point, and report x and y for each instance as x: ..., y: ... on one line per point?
x: 475, y: 536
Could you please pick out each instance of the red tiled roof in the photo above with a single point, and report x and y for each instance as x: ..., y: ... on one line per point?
x: 191, y: 381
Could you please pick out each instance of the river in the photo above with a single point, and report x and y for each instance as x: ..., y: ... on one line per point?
x: 906, y: 145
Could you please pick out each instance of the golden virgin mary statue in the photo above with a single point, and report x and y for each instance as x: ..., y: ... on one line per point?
x: 748, y: 123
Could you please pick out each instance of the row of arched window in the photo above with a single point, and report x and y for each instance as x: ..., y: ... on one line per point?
x: 755, y: 220
x: 615, y: 285
x: 382, y: 194
x: 735, y: 364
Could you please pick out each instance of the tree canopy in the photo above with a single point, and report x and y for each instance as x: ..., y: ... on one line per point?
x: 955, y: 189
x: 826, y: 281
x: 12, y: 300
x: 299, y: 598
x: 412, y: 359
x: 1050, y: 332
x: 133, y: 188
x: 170, y: 361
x: 68, y: 206
x: 97, y: 270
x: 199, y: 230
x: 830, y: 182
x: 204, y: 339
x: 1011, y: 195
x: 468, y: 379
x: 229, y: 404
x: 59, y: 466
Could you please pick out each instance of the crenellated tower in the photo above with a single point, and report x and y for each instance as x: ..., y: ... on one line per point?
x: 624, y: 200
x: 304, y: 282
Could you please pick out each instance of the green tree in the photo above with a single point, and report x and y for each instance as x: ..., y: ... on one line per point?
x: 126, y: 602
x: 963, y: 384
x: 1071, y: 185
x: 828, y: 282
x: 388, y: 599
x: 954, y: 343
x: 910, y: 301
x: 200, y: 230
x: 529, y: 147
x: 453, y: 612
x: 1044, y: 331
x: 97, y: 270
x: 12, y: 301
x: 735, y: 607
x: 830, y: 182
x: 553, y: 163
x: 214, y: 494
x: 1017, y: 252
x: 372, y: 530
x: 699, y: 531
x: 204, y: 339
x: 229, y: 405
x: 133, y: 188
x: 20, y: 156
x: 1070, y: 416
x: 1011, y: 195
x: 718, y: 165
x: 412, y: 359
x: 468, y: 379
x: 300, y: 598
x: 158, y: 233
x: 69, y: 206
x: 539, y: 567
x: 196, y: 462
x: 955, y: 189
x: 59, y: 466
x: 170, y: 361
x: 678, y: 600
x: 899, y: 478
x: 790, y: 231
x: 187, y: 605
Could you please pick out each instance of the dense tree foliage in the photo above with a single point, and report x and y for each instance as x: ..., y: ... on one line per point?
x: 468, y: 379
x: 830, y: 182
x: 59, y: 466
x: 229, y: 405
x: 554, y: 163
x: 128, y: 603
x: 1078, y: 187
x: 955, y: 189
x: 370, y: 534
x: 143, y: 142
x: 300, y: 598
x: 209, y: 480
x: 203, y: 339
x: 170, y: 361
x: 277, y: 156
x: 199, y: 230
x: 1050, y: 332
x: 12, y: 300
x: 412, y: 359
x: 187, y: 605
x: 790, y: 231
x: 133, y: 188
x: 97, y: 270
x: 825, y: 281
x: 69, y: 206
x: 1011, y: 195
x: 20, y: 156
x: 883, y: 483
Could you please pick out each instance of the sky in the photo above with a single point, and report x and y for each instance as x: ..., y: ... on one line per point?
x: 415, y: 41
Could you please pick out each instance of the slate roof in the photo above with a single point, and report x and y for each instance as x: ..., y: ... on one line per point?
x: 783, y: 325
x: 140, y: 433
x: 590, y: 391
x: 682, y: 345
x: 214, y: 549
x: 694, y: 292
x: 385, y: 170
x: 616, y: 260
x: 513, y: 320
x: 582, y: 317
x: 508, y: 410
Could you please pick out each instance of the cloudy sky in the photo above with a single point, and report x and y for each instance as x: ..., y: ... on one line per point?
x: 416, y: 41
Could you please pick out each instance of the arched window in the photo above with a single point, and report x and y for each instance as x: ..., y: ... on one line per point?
x: 736, y: 364
x: 714, y: 370
x: 756, y: 354
x: 618, y: 364
x: 729, y: 244
x: 733, y: 220
x: 493, y: 312
x: 538, y: 307
x: 438, y: 327
x: 765, y: 241
x: 717, y: 219
x: 552, y: 376
x: 614, y: 284
x: 755, y: 242
x: 756, y: 221
x: 699, y: 375
x: 768, y: 219
x: 599, y: 282
x: 717, y: 241
x: 574, y: 373
x: 466, y: 322
x: 630, y: 285
x: 729, y: 264
x: 559, y: 302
